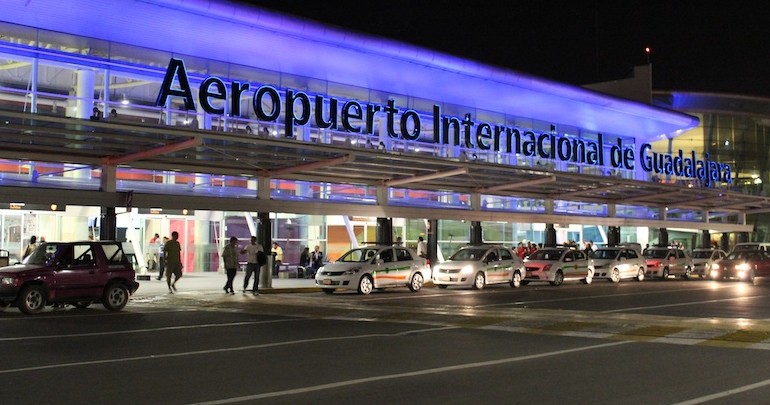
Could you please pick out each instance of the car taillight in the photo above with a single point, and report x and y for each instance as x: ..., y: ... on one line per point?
x: 427, y: 262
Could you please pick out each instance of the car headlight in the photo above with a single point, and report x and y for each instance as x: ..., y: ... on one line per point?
x: 715, y: 266
x: 7, y: 281
x: 742, y: 267
x: 715, y: 272
x: 352, y: 270
x: 467, y: 269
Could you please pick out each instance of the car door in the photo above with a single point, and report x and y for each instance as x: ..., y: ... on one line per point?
x: 507, y: 265
x: 633, y: 263
x: 762, y: 264
x: 382, y: 272
x: 76, y: 272
x: 404, y: 265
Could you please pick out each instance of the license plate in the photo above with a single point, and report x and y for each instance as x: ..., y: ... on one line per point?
x: 444, y: 279
x: 327, y: 281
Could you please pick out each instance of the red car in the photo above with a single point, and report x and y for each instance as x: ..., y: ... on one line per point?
x: 742, y: 265
x: 75, y: 273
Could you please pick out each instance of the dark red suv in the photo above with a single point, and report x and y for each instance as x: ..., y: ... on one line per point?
x: 75, y: 273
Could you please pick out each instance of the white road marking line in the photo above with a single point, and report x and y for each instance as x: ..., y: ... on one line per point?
x: 66, y: 315
x: 457, y: 367
x: 681, y: 304
x: 592, y: 297
x: 723, y: 394
x: 147, y: 330
x: 224, y: 350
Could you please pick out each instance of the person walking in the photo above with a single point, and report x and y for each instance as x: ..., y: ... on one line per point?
x: 172, y: 251
x: 252, y: 265
x: 30, y: 247
x: 230, y: 257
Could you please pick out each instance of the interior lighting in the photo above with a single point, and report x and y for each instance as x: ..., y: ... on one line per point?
x: 184, y: 211
x: 156, y: 210
x: 54, y: 207
x: 125, y: 100
x: 16, y: 205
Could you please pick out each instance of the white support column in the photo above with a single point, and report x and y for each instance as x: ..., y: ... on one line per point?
x: 382, y: 195
x: 33, y: 86
x: 351, y: 233
x: 109, y: 179
x: 263, y: 189
x: 84, y: 91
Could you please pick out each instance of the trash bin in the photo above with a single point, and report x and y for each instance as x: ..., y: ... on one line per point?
x: 5, y: 258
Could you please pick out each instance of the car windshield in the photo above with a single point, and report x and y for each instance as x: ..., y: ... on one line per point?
x: 468, y: 254
x: 656, y: 253
x: 359, y: 255
x: 546, y: 254
x: 39, y: 256
x: 605, y: 254
x: 701, y: 254
x: 744, y: 255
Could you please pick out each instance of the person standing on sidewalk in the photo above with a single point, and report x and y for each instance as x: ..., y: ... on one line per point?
x: 172, y: 251
x: 277, y: 258
x: 230, y: 257
x: 252, y: 265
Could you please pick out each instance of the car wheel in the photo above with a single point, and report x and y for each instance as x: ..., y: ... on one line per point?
x: 516, y: 279
x: 558, y: 278
x: 81, y: 304
x: 365, y: 285
x: 640, y: 274
x: 32, y: 299
x: 589, y: 277
x: 615, y: 276
x: 687, y: 273
x: 665, y: 274
x: 442, y: 285
x: 479, y: 281
x: 328, y: 290
x: 416, y: 283
x: 115, y: 297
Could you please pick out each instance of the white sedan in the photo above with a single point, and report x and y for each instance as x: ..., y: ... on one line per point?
x: 367, y: 268
x: 479, y: 266
x: 616, y: 263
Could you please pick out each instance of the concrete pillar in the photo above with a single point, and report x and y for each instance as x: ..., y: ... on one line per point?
x: 432, y: 241
x: 613, y: 235
x: 724, y: 241
x: 742, y: 237
x: 108, y: 228
x: 476, y: 233
x: 108, y: 181
x: 705, y: 238
x: 384, y: 231
x: 550, y: 236
x: 663, y: 237
x: 265, y: 238
x: 84, y: 91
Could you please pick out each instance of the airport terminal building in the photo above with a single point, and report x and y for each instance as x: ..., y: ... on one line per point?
x: 127, y: 118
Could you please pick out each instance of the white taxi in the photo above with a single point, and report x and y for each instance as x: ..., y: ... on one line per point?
x: 478, y: 266
x: 364, y: 269
x: 555, y: 265
x: 616, y: 263
x: 704, y: 260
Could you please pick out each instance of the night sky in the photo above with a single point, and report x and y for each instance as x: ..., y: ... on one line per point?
x: 696, y: 45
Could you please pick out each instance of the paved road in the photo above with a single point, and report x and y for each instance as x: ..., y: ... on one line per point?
x: 650, y: 342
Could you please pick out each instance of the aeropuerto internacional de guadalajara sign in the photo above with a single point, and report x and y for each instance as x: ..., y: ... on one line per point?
x: 359, y: 118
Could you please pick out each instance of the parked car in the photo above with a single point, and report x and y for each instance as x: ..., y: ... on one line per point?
x: 478, y: 266
x: 704, y: 259
x: 616, y: 263
x: 555, y: 265
x: 746, y: 265
x: 75, y: 273
x: 751, y: 246
x: 364, y: 269
x: 663, y: 262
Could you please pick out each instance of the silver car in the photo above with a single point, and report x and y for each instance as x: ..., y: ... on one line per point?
x: 703, y: 260
x: 364, y: 269
x: 478, y: 266
x: 616, y: 263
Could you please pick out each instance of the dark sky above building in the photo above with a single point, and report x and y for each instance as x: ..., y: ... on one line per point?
x: 696, y: 45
